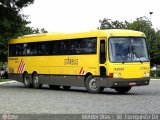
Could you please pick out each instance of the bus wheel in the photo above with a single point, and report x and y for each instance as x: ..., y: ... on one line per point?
x: 91, y: 85
x: 66, y: 87
x: 26, y: 81
x: 122, y: 89
x: 36, y: 82
x: 55, y: 87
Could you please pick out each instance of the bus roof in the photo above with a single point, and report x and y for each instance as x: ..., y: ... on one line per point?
x: 60, y: 36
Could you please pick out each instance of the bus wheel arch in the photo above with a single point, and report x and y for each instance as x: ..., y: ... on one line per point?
x: 34, y: 72
x: 88, y: 74
x: 35, y: 80
x: 26, y: 80
x: 25, y: 72
x: 90, y: 84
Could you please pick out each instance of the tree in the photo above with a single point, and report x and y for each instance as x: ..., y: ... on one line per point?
x: 12, y: 23
x: 110, y: 24
x: 155, y: 49
x: 143, y: 24
x: 11, y: 20
x: 140, y: 24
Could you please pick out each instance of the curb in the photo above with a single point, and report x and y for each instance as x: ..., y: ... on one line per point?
x: 8, y: 82
x: 155, y: 79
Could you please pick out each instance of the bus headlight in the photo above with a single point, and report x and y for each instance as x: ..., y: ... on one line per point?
x: 114, y: 75
x: 146, y: 74
x: 117, y: 75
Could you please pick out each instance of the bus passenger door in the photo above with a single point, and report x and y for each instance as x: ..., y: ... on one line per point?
x: 102, y: 57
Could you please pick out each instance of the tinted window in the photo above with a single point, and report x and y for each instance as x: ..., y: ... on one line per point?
x: 31, y: 49
x: 59, y: 47
x: 63, y: 47
x: 83, y: 46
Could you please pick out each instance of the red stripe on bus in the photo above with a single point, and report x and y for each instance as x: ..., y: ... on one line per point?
x: 21, y: 66
x: 82, y: 71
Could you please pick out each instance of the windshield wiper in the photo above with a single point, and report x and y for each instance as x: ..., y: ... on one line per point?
x: 140, y: 60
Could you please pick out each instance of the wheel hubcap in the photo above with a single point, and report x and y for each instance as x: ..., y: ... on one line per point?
x: 26, y: 81
x: 36, y: 80
x: 92, y: 84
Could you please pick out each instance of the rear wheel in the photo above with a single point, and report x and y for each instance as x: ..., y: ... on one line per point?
x: 122, y: 89
x: 91, y: 85
x: 36, y: 82
x: 26, y: 81
x: 55, y: 87
x: 66, y: 87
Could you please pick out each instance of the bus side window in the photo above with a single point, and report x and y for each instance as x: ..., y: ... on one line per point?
x: 31, y: 49
x: 102, y: 52
x: 54, y: 47
x: 64, y: 46
x: 12, y: 50
x: 72, y: 46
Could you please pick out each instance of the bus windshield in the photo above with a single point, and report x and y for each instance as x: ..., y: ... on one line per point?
x: 128, y: 49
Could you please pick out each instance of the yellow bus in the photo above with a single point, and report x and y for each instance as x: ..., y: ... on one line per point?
x: 99, y: 59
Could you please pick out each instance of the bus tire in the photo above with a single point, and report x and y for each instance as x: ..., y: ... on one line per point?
x: 66, y: 87
x: 55, y: 87
x: 26, y: 81
x: 91, y: 86
x: 123, y: 89
x: 36, y: 82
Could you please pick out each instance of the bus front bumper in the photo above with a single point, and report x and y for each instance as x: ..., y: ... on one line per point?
x: 119, y: 82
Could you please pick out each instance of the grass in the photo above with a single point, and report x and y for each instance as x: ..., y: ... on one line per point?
x: 155, y: 77
x: 4, y: 80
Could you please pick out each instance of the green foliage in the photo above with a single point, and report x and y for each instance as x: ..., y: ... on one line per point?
x: 153, y: 37
x: 155, y: 73
x: 13, y: 24
x: 12, y: 21
x: 4, y: 80
x: 109, y: 24
x: 142, y: 24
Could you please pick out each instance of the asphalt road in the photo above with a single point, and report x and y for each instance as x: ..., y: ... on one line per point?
x: 15, y: 98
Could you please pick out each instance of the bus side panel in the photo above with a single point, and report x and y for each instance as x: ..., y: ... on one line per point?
x: 17, y: 77
x: 53, y: 79
x: 62, y: 80
x: 55, y: 70
x: 63, y: 65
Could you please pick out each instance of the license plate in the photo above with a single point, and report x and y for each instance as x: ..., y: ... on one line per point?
x: 132, y: 83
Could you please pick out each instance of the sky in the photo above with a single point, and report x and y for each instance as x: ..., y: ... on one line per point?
x: 83, y: 15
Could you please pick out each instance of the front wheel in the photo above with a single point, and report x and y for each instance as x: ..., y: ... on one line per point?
x: 123, y: 89
x: 36, y: 82
x: 91, y: 85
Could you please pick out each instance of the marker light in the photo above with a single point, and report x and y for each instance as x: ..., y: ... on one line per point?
x: 111, y: 75
x: 119, y: 75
